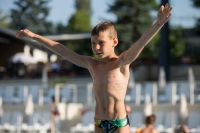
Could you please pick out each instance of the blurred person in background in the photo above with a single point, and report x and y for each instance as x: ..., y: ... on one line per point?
x: 182, y: 129
x: 149, y: 124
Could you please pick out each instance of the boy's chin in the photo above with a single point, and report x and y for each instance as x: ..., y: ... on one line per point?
x: 100, y: 56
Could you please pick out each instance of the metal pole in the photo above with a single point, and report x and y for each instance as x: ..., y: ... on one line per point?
x: 164, y: 53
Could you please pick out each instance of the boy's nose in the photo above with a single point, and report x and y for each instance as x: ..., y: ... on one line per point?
x: 96, y: 47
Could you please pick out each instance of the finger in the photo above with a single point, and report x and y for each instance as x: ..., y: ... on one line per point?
x: 17, y: 34
x: 168, y: 16
x: 161, y: 8
x: 166, y: 6
x: 169, y: 10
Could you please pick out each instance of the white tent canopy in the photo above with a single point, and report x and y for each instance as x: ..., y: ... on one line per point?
x: 22, y: 58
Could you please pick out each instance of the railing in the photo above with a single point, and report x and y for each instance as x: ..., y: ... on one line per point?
x: 85, y: 91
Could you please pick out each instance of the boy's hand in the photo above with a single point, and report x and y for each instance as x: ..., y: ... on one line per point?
x: 24, y: 33
x: 164, y: 14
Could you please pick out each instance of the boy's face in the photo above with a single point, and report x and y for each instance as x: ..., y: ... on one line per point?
x: 102, y: 45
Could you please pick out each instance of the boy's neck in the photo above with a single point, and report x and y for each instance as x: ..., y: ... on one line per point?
x: 108, y: 59
x: 150, y: 126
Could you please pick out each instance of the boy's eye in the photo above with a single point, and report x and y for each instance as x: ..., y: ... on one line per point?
x: 101, y: 42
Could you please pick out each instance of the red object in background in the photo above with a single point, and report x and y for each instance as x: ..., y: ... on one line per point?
x: 83, y: 111
x: 55, y: 112
x: 186, y: 60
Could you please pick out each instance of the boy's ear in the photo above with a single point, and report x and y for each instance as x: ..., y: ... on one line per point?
x: 115, y: 41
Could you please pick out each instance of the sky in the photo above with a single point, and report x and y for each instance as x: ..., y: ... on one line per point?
x: 183, y: 13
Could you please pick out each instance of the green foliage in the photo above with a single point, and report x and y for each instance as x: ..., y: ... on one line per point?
x: 79, y: 22
x: 3, y: 19
x: 198, y: 25
x: 31, y: 14
x: 61, y: 28
x: 83, y: 5
x: 196, y: 4
x: 152, y: 49
x: 82, y: 47
x: 177, y: 42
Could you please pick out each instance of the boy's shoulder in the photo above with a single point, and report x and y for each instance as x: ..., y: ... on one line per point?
x: 155, y: 131
x: 91, y: 60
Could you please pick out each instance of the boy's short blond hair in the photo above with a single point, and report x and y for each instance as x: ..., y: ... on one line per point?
x: 104, y: 26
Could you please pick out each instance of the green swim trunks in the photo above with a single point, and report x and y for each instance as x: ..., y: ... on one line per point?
x: 109, y: 126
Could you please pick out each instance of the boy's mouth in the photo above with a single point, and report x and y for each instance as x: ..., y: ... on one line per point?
x: 99, y: 53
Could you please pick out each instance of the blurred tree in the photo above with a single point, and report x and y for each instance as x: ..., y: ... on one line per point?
x: 31, y: 14
x: 83, y: 5
x: 177, y: 42
x: 80, y: 20
x: 196, y: 4
x: 80, y: 23
x: 61, y: 28
x: 4, y: 19
x: 194, y: 52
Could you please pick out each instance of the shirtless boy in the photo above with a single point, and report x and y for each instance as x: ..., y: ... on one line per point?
x: 110, y: 73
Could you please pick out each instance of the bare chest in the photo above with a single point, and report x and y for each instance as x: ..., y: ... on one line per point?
x: 109, y: 75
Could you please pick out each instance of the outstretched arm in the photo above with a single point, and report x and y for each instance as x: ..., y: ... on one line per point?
x: 55, y: 47
x: 162, y: 17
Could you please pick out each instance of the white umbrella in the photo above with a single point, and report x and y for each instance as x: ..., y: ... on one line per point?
x: 22, y: 58
x: 148, y: 106
x: 183, y: 108
x: 1, y: 108
x: 131, y: 81
x: 161, y: 78
x: 29, y: 105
